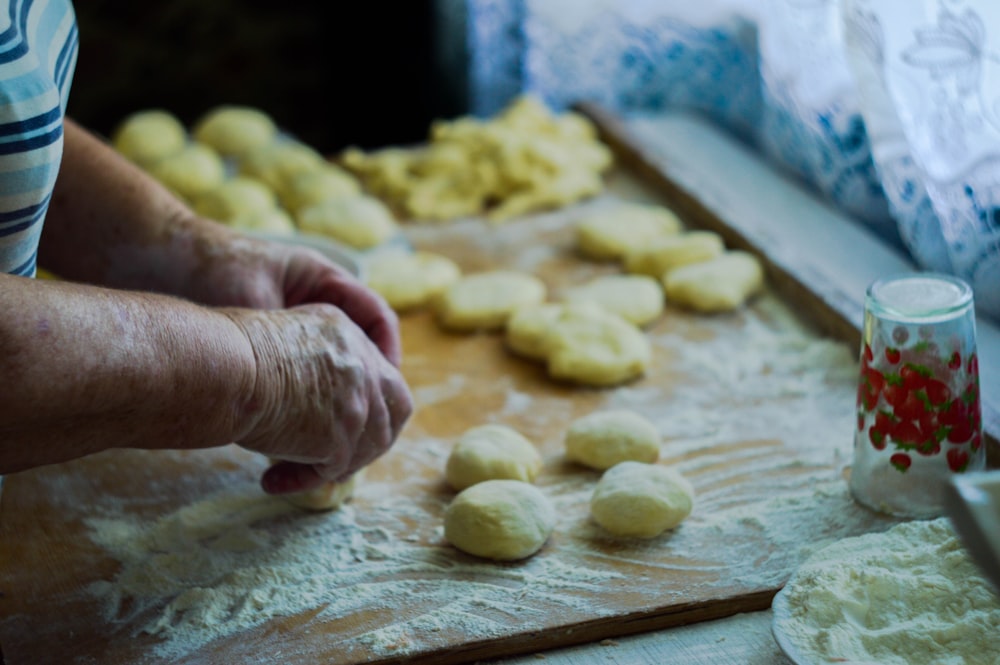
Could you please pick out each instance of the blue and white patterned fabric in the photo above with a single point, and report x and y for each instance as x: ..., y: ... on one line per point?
x: 38, y: 47
x: 890, y: 108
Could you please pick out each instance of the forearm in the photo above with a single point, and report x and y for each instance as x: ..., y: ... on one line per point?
x: 109, y: 223
x: 86, y: 369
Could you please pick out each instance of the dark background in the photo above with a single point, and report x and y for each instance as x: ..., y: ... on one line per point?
x: 332, y: 73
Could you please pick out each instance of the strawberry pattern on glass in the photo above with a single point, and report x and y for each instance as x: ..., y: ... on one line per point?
x: 918, y: 405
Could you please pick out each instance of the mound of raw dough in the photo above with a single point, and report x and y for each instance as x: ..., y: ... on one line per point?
x: 190, y: 172
x: 276, y: 163
x: 145, y: 137
x: 491, y: 452
x: 266, y: 220
x: 410, y: 280
x: 602, y: 439
x: 234, y: 130
x: 361, y: 222
x: 504, y: 520
x: 613, y: 231
x: 639, y: 500
x: 328, y: 496
x: 580, y: 342
x: 636, y: 298
x: 236, y: 197
x: 301, y: 190
x: 485, y: 300
x: 662, y: 255
x: 718, y: 285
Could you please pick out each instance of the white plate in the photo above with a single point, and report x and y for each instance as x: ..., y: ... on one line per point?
x: 781, y: 612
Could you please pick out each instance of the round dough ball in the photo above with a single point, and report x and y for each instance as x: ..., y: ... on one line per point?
x: 234, y: 130
x: 611, y: 233
x: 639, y: 500
x: 662, y: 255
x: 504, y: 520
x: 636, y: 298
x: 484, y: 301
x: 359, y: 221
x: 721, y: 284
x: 145, y: 137
x: 410, y: 280
x: 602, y: 439
x: 528, y: 329
x: 266, y: 220
x: 595, y: 347
x: 491, y: 452
x: 194, y: 170
x: 276, y: 163
x: 307, y: 188
x: 236, y: 197
x: 328, y: 496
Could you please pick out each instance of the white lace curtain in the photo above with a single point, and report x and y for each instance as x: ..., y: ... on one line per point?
x: 889, y: 108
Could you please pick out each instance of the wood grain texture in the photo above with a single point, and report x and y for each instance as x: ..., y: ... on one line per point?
x: 762, y: 434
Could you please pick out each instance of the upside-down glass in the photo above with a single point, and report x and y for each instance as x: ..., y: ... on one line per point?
x: 919, y: 415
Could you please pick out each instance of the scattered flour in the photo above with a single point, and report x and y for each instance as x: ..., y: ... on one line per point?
x: 908, y: 596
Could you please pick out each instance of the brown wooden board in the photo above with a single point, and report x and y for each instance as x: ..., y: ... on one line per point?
x: 755, y: 409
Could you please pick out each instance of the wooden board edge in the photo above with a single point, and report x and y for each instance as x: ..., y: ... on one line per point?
x: 592, y: 631
x: 835, y: 314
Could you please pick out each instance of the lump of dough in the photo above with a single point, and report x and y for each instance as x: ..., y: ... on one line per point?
x: 491, y: 452
x: 580, y: 342
x: 307, y: 188
x: 145, y: 137
x: 661, y: 255
x: 266, y: 220
x: 636, y: 298
x: 639, y: 500
x: 359, y: 221
x: 612, y: 232
x: 235, y: 198
x: 410, y: 280
x: 328, y: 496
x: 191, y: 172
x: 234, y: 130
x: 718, y: 285
x: 484, y: 301
x: 602, y: 439
x: 595, y: 347
x: 276, y: 163
x: 504, y: 520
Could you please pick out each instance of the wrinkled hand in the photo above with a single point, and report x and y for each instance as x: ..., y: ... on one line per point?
x: 329, y: 400
x: 325, y: 398
x: 238, y: 271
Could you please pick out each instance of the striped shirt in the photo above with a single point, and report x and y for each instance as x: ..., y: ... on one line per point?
x: 38, y: 48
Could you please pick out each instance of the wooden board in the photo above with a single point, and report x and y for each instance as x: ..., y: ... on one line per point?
x: 755, y: 410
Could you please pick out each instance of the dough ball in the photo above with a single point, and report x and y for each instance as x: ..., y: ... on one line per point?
x: 361, y: 222
x: 595, y: 347
x: 602, y: 439
x: 236, y: 197
x: 580, y: 342
x: 636, y: 298
x: 145, y: 137
x: 328, y: 496
x: 307, y: 188
x: 504, y: 520
x: 721, y: 284
x: 191, y: 172
x: 491, y: 452
x: 611, y: 233
x: 484, y: 301
x: 276, y: 163
x: 234, y: 130
x: 410, y: 280
x: 273, y: 221
x: 639, y: 500
x: 661, y: 255
x: 528, y: 329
